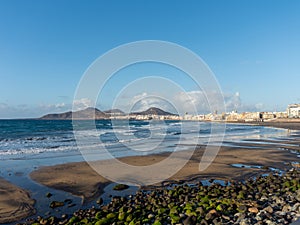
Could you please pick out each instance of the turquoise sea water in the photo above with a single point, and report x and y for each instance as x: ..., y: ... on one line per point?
x: 28, y: 139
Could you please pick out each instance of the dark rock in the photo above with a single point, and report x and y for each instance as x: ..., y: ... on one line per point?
x: 55, y: 204
x: 43, y: 221
x: 120, y: 187
x: 49, y: 195
x: 204, y: 222
x: 190, y: 220
x: 100, y: 201
x: 242, y: 208
x: 71, y: 205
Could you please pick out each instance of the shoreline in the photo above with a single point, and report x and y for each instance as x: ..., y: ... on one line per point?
x: 69, y: 177
x: 291, y: 124
x: 263, y: 163
x: 80, y: 180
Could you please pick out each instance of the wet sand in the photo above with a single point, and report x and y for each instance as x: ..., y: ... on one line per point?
x: 76, y: 178
x: 15, y: 203
x: 81, y: 180
x: 291, y: 124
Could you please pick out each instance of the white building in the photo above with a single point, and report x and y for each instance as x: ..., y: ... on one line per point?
x: 293, y: 111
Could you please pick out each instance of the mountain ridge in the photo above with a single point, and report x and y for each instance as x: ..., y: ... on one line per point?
x: 94, y: 113
x: 88, y: 113
x: 154, y: 111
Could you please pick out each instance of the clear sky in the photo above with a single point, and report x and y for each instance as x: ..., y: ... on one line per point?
x: 253, y: 47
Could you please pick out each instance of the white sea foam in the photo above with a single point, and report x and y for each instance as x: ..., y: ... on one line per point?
x: 121, y: 137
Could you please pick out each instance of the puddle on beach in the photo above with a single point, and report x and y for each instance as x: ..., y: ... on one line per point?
x: 39, y: 192
x: 109, y: 192
x: 296, y: 152
x: 238, y: 165
x: 275, y: 170
x: 204, y: 182
x: 215, y: 181
x: 71, y: 202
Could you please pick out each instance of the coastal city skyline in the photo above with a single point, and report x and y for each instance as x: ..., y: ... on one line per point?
x: 254, y: 59
x: 156, y: 113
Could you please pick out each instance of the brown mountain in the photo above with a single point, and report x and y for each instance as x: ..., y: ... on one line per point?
x: 88, y: 113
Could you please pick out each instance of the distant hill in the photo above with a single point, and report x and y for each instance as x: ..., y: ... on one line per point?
x: 153, y: 111
x: 87, y: 113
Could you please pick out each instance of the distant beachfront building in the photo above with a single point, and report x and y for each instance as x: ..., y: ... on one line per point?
x: 293, y: 111
x: 268, y: 115
x: 245, y: 116
x: 281, y: 115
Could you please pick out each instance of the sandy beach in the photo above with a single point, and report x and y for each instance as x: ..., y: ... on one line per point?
x: 291, y: 124
x: 15, y: 203
x: 81, y: 180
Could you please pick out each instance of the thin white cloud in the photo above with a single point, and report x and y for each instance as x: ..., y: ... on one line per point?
x: 193, y: 102
x: 82, y: 103
x: 197, y: 102
x: 143, y: 101
x: 53, y: 108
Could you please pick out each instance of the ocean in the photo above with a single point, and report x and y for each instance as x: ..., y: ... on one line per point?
x: 37, y: 139
x: 26, y: 145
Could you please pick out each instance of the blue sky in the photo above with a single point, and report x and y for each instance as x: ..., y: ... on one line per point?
x: 45, y: 46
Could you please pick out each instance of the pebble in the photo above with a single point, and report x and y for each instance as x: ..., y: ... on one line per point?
x: 253, y: 210
x: 286, y: 208
x: 150, y: 216
x: 269, y: 209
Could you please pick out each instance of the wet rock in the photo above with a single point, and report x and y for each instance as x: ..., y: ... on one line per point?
x: 100, y: 201
x: 242, y: 208
x: 269, y: 209
x: 65, y: 221
x: 190, y: 220
x: 269, y: 222
x: 150, y: 216
x: 237, y: 203
x: 49, y: 195
x: 253, y: 210
x: 296, y: 207
x: 55, y: 204
x: 211, y: 215
x: 226, y: 217
x: 245, y: 222
x: 286, y: 208
x: 43, y: 221
x: 204, y: 222
x: 120, y: 187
